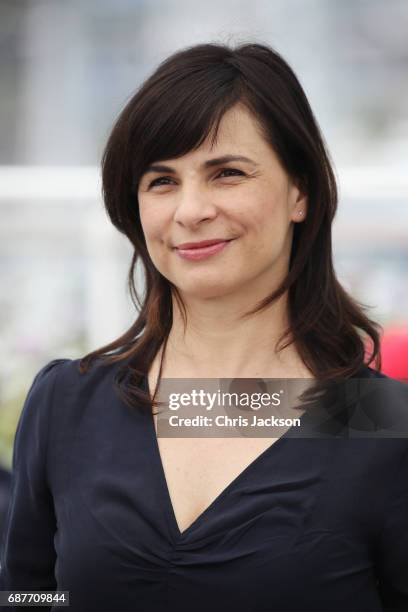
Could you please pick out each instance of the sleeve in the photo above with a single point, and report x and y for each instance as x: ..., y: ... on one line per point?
x: 27, y: 551
x: 392, y: 559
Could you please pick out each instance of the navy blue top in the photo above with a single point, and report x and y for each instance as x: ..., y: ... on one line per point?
x: 310, y: 524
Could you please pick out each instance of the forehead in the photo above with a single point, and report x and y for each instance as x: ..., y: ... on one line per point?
x: 238, y: 134
x: 237, y: 127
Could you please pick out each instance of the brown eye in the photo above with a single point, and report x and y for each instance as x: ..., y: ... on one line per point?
x: 232, y: 170
x: 160, y: 178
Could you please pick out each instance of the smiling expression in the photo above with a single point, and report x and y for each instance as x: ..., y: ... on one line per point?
x: 237, y: 190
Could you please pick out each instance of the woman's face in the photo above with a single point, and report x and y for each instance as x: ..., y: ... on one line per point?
x: 251, y: 203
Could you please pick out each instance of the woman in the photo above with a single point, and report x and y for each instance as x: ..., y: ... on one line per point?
x: 219, y: 145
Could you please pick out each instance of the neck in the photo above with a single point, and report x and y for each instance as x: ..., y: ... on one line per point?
x: 218, y: 342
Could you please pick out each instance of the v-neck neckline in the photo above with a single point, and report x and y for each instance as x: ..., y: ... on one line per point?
x: 158, y: 462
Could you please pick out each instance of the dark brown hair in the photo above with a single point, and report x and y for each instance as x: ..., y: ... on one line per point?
x: 171, y: 114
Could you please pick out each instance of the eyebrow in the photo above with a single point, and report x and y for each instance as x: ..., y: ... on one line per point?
x: 216, y: 161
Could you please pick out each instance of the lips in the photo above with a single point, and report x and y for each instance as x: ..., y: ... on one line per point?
x: 202, y: 244
x: 200, y: 252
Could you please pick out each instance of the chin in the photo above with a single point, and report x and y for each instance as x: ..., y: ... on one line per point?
x: 205, y: 291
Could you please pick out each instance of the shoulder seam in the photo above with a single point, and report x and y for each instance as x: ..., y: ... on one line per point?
x: 54, y: 362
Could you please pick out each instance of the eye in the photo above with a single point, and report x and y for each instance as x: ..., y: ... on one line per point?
x: 157, y: 182
x: 232, y: 170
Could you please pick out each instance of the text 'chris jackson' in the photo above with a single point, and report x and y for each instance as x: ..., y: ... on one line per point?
x: 225, y: 421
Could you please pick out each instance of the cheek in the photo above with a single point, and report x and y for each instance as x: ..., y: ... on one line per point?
x: 267, y: 228
x: 152, y: 223
x: 265, y: 215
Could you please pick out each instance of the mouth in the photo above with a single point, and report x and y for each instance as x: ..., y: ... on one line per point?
x: 201, y: 244
x: 203, y: 249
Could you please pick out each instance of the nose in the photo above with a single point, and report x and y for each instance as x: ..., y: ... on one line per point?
x: 193, y: 205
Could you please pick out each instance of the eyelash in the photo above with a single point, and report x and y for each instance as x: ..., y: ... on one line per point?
x: 154, y: 182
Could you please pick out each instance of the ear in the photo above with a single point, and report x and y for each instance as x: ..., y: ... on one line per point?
x: 299, y: 203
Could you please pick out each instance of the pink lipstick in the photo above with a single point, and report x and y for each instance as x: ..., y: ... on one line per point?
x: 201, y: 250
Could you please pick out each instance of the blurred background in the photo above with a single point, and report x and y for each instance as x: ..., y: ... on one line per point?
x: 67, y: 67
